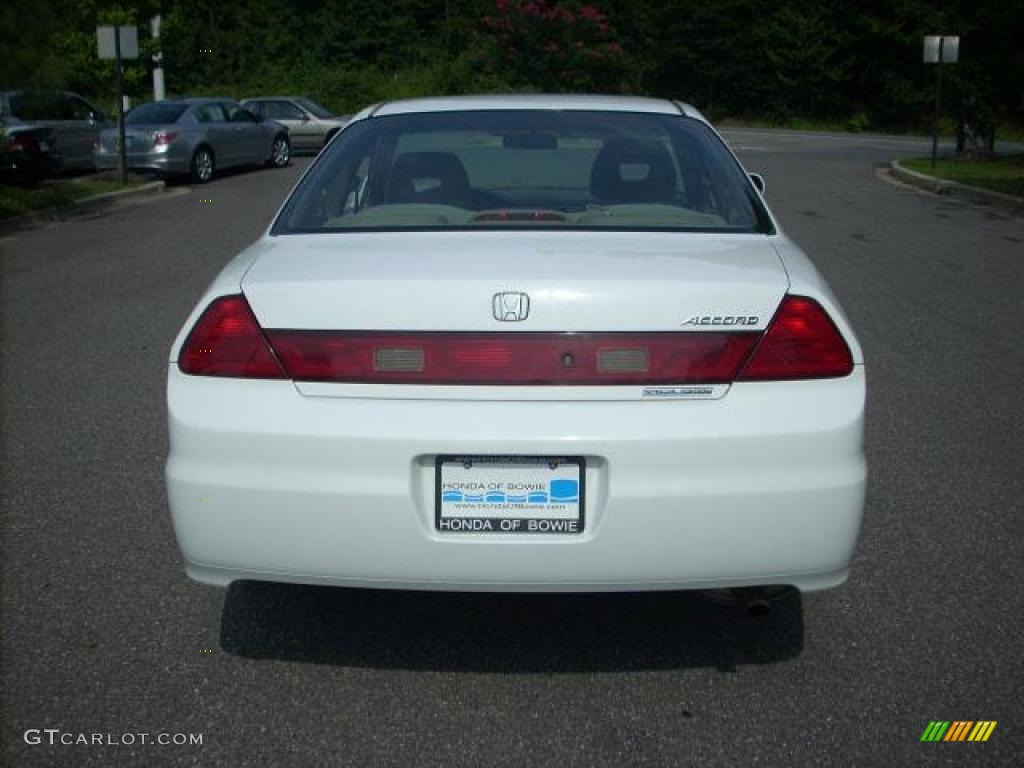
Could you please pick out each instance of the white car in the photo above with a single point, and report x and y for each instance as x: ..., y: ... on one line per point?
x: 520, y: 343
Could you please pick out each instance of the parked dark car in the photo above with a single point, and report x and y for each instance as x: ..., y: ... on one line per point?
x: 28, y: 155
x: 194, y: 137
x: 74, y: 121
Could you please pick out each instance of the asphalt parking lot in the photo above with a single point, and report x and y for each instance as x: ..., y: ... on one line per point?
x: 102, y: 633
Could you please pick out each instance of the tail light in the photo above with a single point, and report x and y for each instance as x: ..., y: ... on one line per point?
x: 163, y: 138
x: 512, y: 358
x: 25, y: 143
x: 801, y: 342
x: 227, y: 341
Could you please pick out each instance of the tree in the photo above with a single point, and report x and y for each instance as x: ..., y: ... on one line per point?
x: 552, y: 46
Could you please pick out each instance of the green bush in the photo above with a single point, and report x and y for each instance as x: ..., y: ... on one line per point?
x: 859, y: 122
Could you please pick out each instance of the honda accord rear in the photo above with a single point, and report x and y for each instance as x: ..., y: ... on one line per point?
x: 530, y: 343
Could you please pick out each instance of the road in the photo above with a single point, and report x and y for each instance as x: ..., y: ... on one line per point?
x: 102, y: 634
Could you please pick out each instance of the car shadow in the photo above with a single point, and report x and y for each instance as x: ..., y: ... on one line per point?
x: 444, y: 631
x: 184, y: 180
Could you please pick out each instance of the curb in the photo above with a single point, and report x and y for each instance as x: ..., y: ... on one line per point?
x: 79, y: 207
x: 955, y: 189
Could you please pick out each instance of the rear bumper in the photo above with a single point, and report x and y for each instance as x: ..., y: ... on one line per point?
x: 157, y: 162
x: 765, y: 486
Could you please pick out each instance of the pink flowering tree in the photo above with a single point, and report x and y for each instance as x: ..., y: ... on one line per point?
x: 552, y: 46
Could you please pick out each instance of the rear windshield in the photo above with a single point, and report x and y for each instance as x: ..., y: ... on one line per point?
x: 313, y: 108
x: 525, y: 168
x: 155, y: 113
x: 39, y: 106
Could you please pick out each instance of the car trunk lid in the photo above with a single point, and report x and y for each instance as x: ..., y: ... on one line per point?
x: 139, y: 139
x: 574, y: 281
x: 517, y: 309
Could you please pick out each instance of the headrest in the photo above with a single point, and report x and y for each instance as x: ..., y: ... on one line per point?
x: 433, y: 177
x: 633, y: 171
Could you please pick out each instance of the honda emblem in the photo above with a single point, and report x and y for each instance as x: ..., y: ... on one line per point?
x: 509, y: 307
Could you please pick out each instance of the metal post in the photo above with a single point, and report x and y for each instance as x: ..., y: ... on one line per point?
x: 123, y: 153
x: 158, y: 58
x: 158, y: 84
x: 938, y: 103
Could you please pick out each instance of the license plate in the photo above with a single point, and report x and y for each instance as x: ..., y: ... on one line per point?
x: 509, y: 494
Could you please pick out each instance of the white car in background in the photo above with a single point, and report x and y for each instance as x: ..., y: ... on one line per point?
x: 520, y: 343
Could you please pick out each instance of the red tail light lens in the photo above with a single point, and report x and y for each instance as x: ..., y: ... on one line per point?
x: 163, y: 138
x: 25, y: 143
x: 227, y: 341
x: 513, y: 358
x: 802, y: 342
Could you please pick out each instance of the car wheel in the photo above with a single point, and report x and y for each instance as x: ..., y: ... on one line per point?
x: 202, y: 165
x: 280, y: 152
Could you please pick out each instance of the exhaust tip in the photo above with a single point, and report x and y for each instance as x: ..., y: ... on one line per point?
x: 756, y: 601
x: 759, y: 607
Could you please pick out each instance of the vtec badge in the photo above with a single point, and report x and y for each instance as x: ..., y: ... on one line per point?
x: 723, y: 320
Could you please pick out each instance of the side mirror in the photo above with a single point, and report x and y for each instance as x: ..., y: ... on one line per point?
x: 758, y: 181
x: 304, y: 118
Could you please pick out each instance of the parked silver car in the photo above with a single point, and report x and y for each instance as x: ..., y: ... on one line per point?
x: 310, y: 125
x: 74, y: 122
x: 195, y: 137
